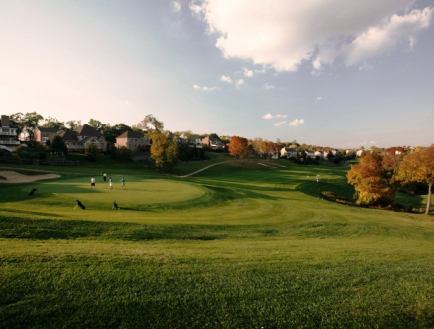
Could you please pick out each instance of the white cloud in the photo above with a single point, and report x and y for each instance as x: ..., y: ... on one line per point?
x: 176, y: 6
x: 268, y: 86
x: 296, y: 122
x: 277, y: 116
x: 226, y: 79
x: 277, y: 124
x: 287, y: 33
x: 239, y: 82
x: 204, y: 88
x: 248, y: 73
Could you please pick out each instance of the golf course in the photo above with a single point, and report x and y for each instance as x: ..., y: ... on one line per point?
x: 241, y: 244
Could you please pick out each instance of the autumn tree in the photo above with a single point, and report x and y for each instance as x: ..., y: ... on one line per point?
x: 418, y: 167
x: 164, y: 149
x: 370, y: 182
x: 239, y: 147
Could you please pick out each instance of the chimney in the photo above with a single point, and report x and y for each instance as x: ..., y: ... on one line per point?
x: 5, y: 121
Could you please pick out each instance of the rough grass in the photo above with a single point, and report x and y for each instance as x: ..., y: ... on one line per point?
x: 241, y: 245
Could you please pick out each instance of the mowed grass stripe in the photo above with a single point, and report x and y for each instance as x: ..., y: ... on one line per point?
x: 256, y: 247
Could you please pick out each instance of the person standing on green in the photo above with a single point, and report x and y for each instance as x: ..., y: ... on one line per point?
x: 111, y: 183
x: 123, y: 182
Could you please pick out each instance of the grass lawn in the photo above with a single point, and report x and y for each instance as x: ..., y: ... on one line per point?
x: 240, y: 245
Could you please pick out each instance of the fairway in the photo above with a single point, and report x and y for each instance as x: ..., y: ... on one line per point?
x: 239, y: 245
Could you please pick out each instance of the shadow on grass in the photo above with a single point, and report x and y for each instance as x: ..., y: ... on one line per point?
x: 18, y: 228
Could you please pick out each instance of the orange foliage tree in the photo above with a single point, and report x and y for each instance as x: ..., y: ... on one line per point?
x: 370, y: 182
x: 239, y: 147
x: 418, y: 167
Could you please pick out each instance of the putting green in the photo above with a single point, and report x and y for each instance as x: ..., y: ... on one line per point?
x: 139, y: 194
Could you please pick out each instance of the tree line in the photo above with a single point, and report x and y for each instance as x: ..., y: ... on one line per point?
x: 378, y: 176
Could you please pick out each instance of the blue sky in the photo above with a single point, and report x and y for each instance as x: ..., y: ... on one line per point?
x: 333, y: 73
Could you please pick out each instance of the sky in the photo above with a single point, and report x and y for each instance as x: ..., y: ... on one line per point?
x: 335, y: 73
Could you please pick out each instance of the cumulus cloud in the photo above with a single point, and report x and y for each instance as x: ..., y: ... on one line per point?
x: 268, y: 86
x: 176, y: 6
x: 226, y: 79
x: 204, y: 88
x: 248, y: 73
x: 277, y: 116
x: 287, y: 33
x: 281, y: 123
x: 296, y: 122
x: 239, y: 82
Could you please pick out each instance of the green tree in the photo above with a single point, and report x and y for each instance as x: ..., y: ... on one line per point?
x: 57, y: 145
x: 72, y: 124
x: 418, y: 167
x: 92, y: 152
x: 26, y: 123
x: 370, y: 181
x: 98, y: 125
x: 53, y: 123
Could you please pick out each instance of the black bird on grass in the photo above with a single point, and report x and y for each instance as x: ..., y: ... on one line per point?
x: 33, y: 191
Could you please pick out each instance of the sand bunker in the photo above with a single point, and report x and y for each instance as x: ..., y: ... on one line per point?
x: 14, y: 177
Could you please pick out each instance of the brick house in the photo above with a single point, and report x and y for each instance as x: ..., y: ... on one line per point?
x: 43, y: 135
x: 212, y: 143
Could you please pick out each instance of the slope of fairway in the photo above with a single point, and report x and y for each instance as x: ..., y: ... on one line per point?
x: 240, y: 245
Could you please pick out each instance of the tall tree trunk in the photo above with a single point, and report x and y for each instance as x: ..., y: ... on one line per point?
x: 428, y: 201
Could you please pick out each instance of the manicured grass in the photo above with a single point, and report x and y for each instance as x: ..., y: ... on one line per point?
x: 241, y: 245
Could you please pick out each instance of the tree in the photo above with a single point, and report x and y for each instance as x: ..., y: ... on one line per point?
x: 53, y: 123
x: 370, y: 183
x: 418, y: 167
x: 151, y: 124
x: 26, y: 123
x: 92, y: 152
x: 111, y: 132
x: 238, y: 147
x: 121, y: 153
x: 57, y: 145
x: 73, y: 124
x: 98, y: 125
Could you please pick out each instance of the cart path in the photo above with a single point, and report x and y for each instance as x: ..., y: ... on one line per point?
x: 202, y: 169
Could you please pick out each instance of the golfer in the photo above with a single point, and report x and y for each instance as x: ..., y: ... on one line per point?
x: 92, y: 182
x: 123, y: 182
x: 111, y: 183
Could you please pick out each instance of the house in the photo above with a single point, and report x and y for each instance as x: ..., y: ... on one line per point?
x: 212, y: 143
x: 288, y: 152
x: 192, y: 140
x: 83, y: 136
x: 134, y: 141
x: 43, y: 135
x: 8, y: 135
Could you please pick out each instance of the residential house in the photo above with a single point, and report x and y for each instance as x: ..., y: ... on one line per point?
x: 192, y: 140
x: 288, y: 152
x: 134, y: 141
x: 43, y: 135
x: 83, y: 136
x: 8, y: 135
x: 212, y: 143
